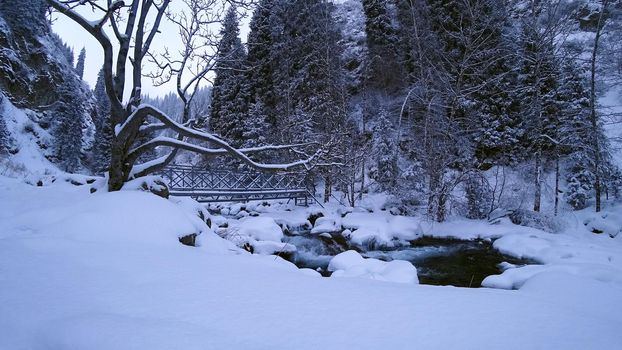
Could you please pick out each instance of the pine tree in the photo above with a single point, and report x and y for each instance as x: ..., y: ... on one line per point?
x: 255, y: 126
x: 5, y: 136
x: 385, y: 71
x: 103, y: 127
x: 384, y: 152
x: 572, y: 133
x: 69, y: 112
x: 260, y: 45
x: 579, y: 181
x: 538, y: 84
x: 228, y: 96
x: 308, y: 70
x: 80, y: 63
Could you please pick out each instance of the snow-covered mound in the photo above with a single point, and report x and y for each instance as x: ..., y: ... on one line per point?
x: 130, y: 217
x: 352, y: 264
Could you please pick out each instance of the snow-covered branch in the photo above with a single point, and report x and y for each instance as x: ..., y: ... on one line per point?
x: 138, y: 116
x: 95, y: 28
x: 238, y: 153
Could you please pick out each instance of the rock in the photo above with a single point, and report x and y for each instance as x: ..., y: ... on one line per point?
x: 75, y: 182
x: 189, y: 240
x: 314, y: 216
x: 249, y: 248
x: 242, y: 214
x: 157, y: 187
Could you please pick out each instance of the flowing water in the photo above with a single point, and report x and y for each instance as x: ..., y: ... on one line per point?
x: 439, y: 261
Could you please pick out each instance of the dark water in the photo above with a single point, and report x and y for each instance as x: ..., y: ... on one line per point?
x: 439, y: 261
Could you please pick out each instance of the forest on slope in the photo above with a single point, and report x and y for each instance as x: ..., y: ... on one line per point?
x: 449, y: 106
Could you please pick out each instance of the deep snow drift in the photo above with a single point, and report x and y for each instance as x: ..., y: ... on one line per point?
x: 106, y: 271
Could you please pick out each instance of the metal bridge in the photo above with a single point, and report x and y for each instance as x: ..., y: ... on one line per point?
x: 206, y: 185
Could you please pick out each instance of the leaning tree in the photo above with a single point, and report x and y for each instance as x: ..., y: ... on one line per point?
x: 134, y: 26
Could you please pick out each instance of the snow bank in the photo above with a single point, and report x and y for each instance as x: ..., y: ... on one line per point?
x: 130, y: 217
x: 352, y: 264
x: 82, y: 271
x: 607, y: 222
x: 515, y: 278
x: 577, y: 253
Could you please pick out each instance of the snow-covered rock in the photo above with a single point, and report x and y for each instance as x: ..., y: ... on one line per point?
x: 605, y: 223
x: 271, y: 247
x: 325, y: 225
x: 352, y: 264
x: 381, y: 228
x: 259, y: 228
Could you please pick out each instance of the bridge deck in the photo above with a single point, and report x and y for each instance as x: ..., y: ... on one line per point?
x: 207, y: 185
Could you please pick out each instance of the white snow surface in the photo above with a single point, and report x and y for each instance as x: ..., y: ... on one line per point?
x: 106, y: 271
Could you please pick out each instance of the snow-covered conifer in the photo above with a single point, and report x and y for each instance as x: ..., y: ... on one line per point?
x: 80, y: 63
x: 384, y: 152
x: 228, y: 101
x: 68, y: 119
x: 103, y: 127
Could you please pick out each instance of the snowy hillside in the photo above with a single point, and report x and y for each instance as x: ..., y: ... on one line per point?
x: 27, y: 141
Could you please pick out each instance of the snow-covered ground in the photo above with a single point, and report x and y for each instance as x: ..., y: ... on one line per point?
x: 106, y: 271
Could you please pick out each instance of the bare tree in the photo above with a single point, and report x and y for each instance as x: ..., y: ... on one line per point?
x: 134, y: 26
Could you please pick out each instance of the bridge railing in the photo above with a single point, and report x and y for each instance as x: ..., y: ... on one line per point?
x: 224, y: 185
x: 188, y: 177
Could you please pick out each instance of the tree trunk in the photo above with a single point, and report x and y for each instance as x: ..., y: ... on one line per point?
x: 556, y: 186
x: 438, y: 198
x: 362, y: 178
x: 353, y: 192
x: 327, y: 188
x: 116, y: 173
x: 441, y: 206
x: 432, y: 197
x: 537, y: 183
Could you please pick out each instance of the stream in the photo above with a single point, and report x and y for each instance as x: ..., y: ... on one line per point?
x: 439, y: 261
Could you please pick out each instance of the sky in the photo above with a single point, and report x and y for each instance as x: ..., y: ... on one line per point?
x: 77, y: 38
